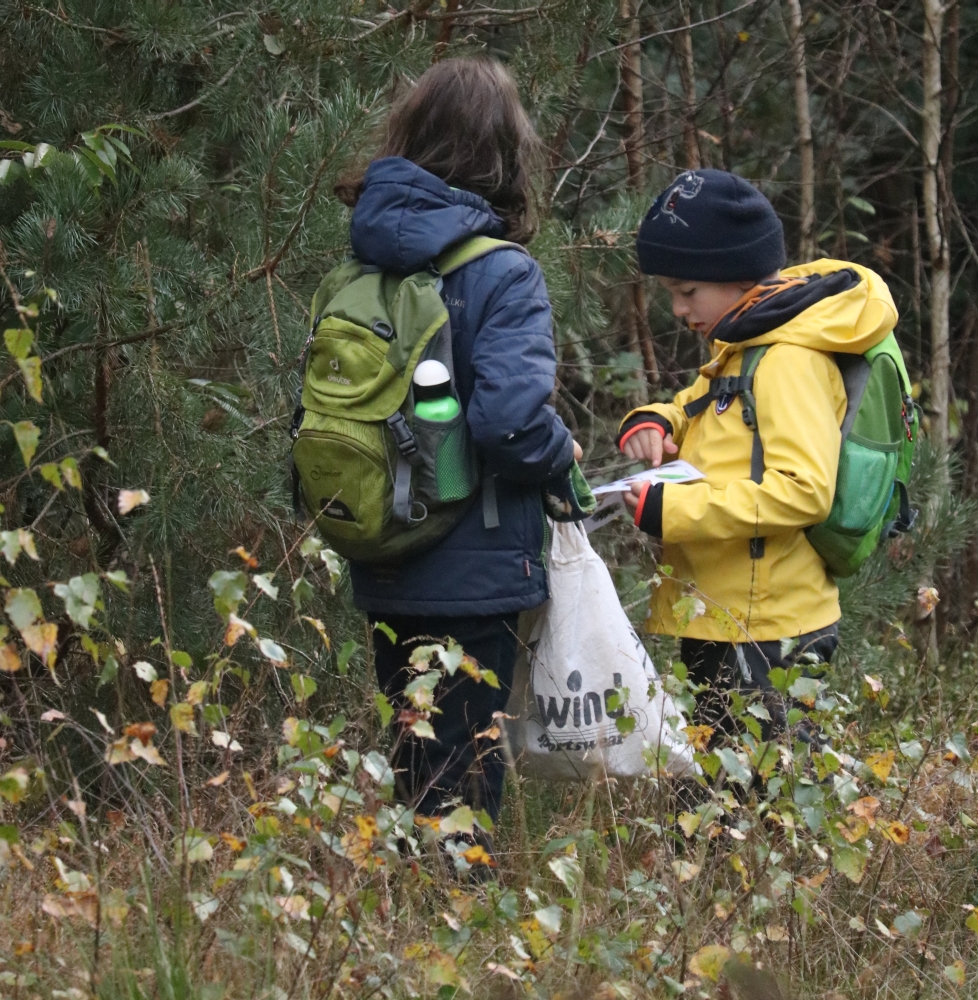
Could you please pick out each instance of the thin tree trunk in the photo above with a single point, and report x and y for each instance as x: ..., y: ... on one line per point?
x: 447, y: 27
x: 687, y: 77
x: 937, y: 243
x: 806, y: 151
x: 631, y: 86
x: 637, y: 320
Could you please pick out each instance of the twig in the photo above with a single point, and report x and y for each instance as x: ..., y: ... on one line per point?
x: 673, y: 31
x: 201, y: 97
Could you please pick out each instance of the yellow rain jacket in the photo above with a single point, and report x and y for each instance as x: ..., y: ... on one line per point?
x: 800, y: 404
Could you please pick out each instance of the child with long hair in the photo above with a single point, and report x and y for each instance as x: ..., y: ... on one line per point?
x: 456, y: 163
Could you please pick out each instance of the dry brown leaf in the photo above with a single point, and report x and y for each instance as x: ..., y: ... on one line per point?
x: 865, y: 808
x: 218, y: 779
x: 235, y: 843
x: 142, y: 731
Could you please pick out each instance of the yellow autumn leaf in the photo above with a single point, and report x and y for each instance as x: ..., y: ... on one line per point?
x: 478, y: 855
x: 9, y: 659
x: 182, y: 716
x: 881, y: 764
x: 708, y: 962
x: 197, y: 692
x: 218, y: 779
x: 158, y: 691
x: 853, y: 829
x: 895, y: 832
x: 699, y: 736
x: 235, y: 843
x: 42, y: 640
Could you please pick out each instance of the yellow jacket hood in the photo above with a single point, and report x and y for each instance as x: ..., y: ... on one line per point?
x: 844, y: 308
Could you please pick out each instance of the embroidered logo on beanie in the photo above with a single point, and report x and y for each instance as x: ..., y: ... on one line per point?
x: 686, y: 186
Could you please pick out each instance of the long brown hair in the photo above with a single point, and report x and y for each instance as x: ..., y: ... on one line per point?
x: 463, y: 122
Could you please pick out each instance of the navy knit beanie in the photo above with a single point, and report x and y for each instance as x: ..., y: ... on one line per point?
x: 710, y: 225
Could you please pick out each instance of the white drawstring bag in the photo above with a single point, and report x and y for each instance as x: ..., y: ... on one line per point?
x: 577, y: 652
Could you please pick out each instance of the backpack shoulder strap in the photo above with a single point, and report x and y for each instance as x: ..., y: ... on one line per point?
x: 471, y: 249
x: 748, y: 369
x: 732, y: 385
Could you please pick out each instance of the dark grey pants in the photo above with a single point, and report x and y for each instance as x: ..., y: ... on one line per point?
x: 744, y: 666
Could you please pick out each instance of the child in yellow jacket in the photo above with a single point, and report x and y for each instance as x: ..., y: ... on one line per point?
x: 737, y: 539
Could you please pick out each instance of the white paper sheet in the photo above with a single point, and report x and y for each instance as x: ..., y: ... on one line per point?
x: 609, y: 496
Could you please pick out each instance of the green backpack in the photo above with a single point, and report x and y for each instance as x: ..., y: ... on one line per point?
x: 879, y: 434
x: 381, y: 482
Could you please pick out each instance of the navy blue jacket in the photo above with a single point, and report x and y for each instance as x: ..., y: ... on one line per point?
x: 504, y: 368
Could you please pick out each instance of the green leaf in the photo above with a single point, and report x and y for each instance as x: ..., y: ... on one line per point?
x: 304, y: 687
x: 69, y: 470
x: 343, y: 657
x: 625, y: 724
x: 271, y: 650
x: 110, y: 671
x: 567, y: 870
x: 388, y: 631
x: 81, y: 597
x: 733, y: 766
x: 229, y: 590
x: 265, y: 585
x: 459, y: 820
x: 384, y: 707
x: 549, y: 918
x: 908, y: 924
x: 958, y: 745
x: 850, y: 862
x: 423, y: 729
x: 49, y: 471
x: 489, y: 676
x: 181, y: 659
x: 30, y: 369
x: 861, y: 205
x: 274, y: 44
x: 13, y: 785
x: 22, y: 607
x: 27, y: 436
x: 805, y: 689
x: 182, y: 717
x: 18, y: 341
x: 302, y: 592
x: 118, y: 578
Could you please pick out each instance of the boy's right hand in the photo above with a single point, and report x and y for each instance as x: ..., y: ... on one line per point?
x: 648, y: 445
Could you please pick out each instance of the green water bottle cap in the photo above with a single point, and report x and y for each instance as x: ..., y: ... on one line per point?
x: 433, y: 399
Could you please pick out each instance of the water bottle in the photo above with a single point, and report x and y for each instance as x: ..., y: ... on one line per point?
x: 433, y: 399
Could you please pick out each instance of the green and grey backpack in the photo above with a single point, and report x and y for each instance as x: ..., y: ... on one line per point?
x: 879, y: 434
x: 380, y: 481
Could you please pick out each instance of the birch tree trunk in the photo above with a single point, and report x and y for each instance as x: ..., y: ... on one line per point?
x: 637, y: 318
x: 806, y: 150
x: 937, y: 241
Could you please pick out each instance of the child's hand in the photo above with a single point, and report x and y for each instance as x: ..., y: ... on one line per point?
x: 632, y: 497
x: 578, y: 452
x: 648, y: 446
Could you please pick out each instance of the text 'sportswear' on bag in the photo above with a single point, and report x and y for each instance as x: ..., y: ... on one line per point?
x: 579, y: 652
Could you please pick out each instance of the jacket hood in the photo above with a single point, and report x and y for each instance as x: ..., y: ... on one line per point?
x: 827, y: 305
x: 406, y: 217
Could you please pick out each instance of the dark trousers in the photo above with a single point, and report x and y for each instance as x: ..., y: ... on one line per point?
x: 744, y: 666
x: 454, y: 763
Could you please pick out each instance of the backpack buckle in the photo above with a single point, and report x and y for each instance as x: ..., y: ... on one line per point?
x: 403, y: 437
